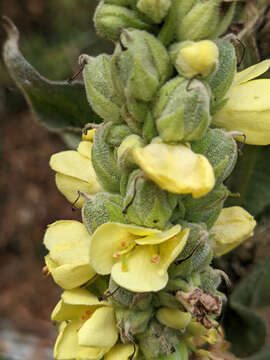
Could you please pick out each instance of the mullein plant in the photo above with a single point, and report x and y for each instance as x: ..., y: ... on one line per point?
x: 149, y: 180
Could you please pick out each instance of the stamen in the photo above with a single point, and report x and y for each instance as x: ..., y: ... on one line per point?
x: 124, y: 263
x: 124, y: 244
x: 45, y: 271
x: 155, y: 259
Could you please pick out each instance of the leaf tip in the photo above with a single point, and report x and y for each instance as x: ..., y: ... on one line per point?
x: 10, y: 28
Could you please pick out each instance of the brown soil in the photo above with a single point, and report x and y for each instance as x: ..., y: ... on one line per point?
x: 29, y: 201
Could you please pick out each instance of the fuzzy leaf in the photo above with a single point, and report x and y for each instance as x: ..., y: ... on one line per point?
x: 264, y: 354
x: 251, y: 178
x: 245, y: 328
x: 58, y: 106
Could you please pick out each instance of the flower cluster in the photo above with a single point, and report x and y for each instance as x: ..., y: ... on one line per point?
x: 136, y: 272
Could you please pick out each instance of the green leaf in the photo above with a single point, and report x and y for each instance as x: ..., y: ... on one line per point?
x: 251, y: 179
x: 58, y: 106
x: 264, y: 354
x: 245, y: 328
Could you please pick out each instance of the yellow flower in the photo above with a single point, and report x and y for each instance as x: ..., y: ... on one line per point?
x: 248, y: 106
x: 233, y: 226
x: 68, y: 243
x: 176, y: 168
x: 136, y: 257
x: 88, y: 328
x: 74, y: 171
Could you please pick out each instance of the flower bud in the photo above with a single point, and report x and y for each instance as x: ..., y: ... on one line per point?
x: 124, y: 151
x: 131, y: 322
x: 144, y: 64
x: 147, y: 204
x: 176, y: 168
x: 166, y: 299
x: 195, y: 58
x: 200, y: 259
x: 124, y: 298
x: 181, y: 110
x: 220, y: 148
x: 100, y: 90
x: 210, y: 279
x: 222, y: 79
x: 156, y: 10
x: 201, y: 21
x: 104, y: 161
x: 109, y: 19
x: 197, y: 234
x: 173, y: 318
x: 207, y: 208
x: 117, y: 134
x: 158, y: 340
x: 233, y: 226
x: 102, y: 208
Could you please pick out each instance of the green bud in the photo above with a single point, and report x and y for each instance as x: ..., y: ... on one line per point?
x: 117, y: 134
x: 131, y: 322
x: 207, y: 208
x: 124, y: 152
x: 154, y: 9
x: 144, y: 64
x: 199, y: 260
x: 149, y: 128
x: 200, y: 21
x: 127, y: 3
x: 220, y: 148
x: 182, y: 110
x: 180, y: 353
x: 164, y: 298
x: 124, y: 298
x: 101, y: 208
x: 210, y: 279
x: 100, y: 90
x: 147, y: 205
x: 221, y: 81
x: 103, y: 160
x: 197, y: 234
x: 177, y: 284
x: 158, y: 340
x: 109, y: 19
x: 173, y: 318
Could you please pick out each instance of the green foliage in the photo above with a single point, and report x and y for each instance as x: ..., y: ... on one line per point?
x: 251, y: 178
x: 245, y: 328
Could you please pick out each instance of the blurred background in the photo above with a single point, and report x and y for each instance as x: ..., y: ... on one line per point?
x: 53, y: 35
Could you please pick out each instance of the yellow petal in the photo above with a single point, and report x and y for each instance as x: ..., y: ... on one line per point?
x: 173, y: 318
x: 71, y: 276
x: 107, y: 240
x: 248, y: 111
x: 85, y: 148
x: 67, y: 346
x: 251, y: 72
x: 159, y: 237
x: 73, y: 164
x: 68, y: 242
x: 176, y: 168
x: 100, y: 330
x: 68, y: 259
x: 142, y: 274
x: 69, y: 187
x: 74, y: 303
x: 65, y: 231
x: 233, y: 226
x: 121, y: 352
x: 89, y: 136
x: 170, y: 249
